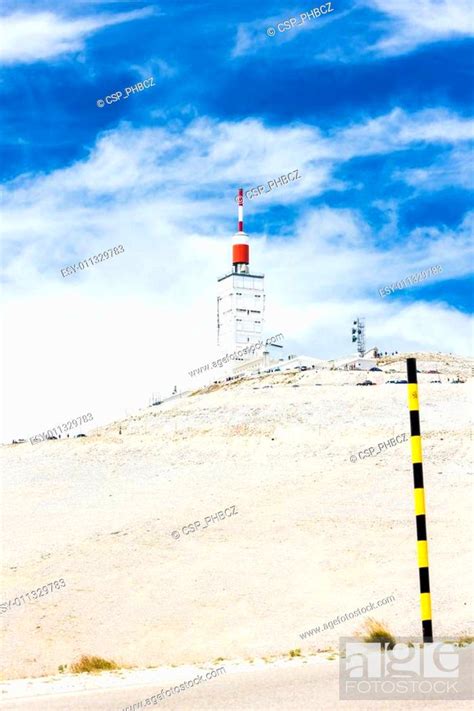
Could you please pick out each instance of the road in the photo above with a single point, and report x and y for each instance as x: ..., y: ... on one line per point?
x: 297, y: 687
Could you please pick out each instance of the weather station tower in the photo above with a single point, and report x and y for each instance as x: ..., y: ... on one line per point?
x: 240, y: 296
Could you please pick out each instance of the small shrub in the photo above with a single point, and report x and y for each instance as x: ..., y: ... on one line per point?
x: 377, y: 632
x: 92, y: 664
x: 464, y: 640
x: 295, y: 652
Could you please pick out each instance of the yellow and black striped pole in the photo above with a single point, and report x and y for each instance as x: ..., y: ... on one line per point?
x: 417, y: 461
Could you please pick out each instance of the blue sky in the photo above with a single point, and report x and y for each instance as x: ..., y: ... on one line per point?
x: 371, y: 102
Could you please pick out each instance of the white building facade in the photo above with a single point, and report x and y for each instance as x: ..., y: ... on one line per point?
x: 240, y: 310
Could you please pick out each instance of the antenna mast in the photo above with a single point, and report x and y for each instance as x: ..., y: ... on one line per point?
x: 358, y: 335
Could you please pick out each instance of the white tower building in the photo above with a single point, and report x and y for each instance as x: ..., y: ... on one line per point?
x: 240, y: 297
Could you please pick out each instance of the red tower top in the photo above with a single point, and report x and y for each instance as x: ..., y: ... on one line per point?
x: 240, y: 242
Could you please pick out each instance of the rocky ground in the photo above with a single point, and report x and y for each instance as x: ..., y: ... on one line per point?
x: 314, y: 535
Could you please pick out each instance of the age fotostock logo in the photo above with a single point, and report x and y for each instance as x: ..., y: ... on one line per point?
x: 410, y: 670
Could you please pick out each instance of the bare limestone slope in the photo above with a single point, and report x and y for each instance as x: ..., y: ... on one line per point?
x: 315, y: 535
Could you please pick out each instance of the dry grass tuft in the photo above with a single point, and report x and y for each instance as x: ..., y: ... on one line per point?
x: 464, y: 640
x: 92, y: 664
x: 377, y: 632
x: 295, y: 653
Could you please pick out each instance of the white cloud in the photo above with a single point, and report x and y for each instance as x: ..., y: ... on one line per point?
x: 32, y: 37
x: 156, y: 68
x: 107, y: 337
x: 411, y: 24
x: 401, y: 25
x: 252, y: 36
x: 452, y: 170
x: 399, y: 130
